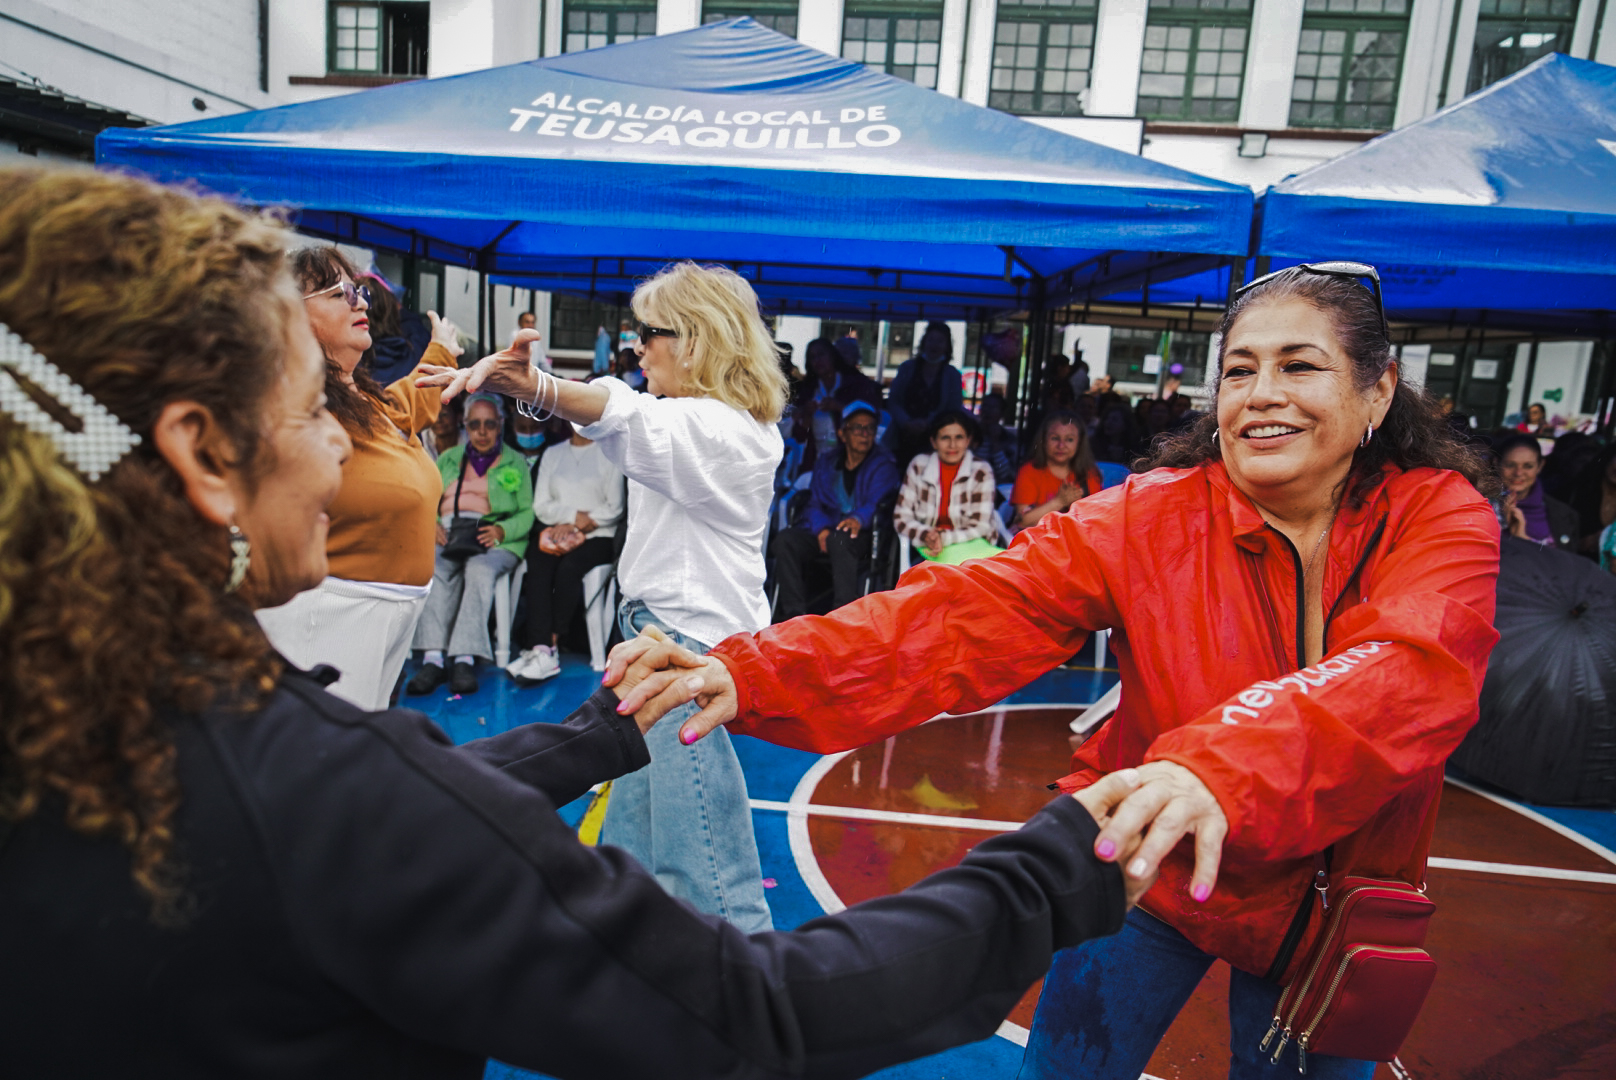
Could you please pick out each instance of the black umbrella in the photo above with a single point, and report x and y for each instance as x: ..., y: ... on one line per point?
x: 1547, y: 732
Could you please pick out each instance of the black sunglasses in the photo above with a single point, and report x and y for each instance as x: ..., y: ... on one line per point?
x: 649, y: 332
x: 1353, y: 271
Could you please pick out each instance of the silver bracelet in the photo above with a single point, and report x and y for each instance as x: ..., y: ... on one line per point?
x: 537, y: 410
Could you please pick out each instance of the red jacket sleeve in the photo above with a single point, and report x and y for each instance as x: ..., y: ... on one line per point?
x: 948, y: 639
x: 1301, y: 761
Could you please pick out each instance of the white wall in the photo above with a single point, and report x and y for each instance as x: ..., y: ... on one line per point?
x: 1276, y: 29
x: 150, y: 59
x: 1119, y: 41
x: 978, y: 59
x: 1563, y: 366
x: 819, y: 24
x: 675, y: 15
x: 799, y: 330
x: 1219, y: 157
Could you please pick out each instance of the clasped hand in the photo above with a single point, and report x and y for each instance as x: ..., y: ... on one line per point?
x: 1143, y: 813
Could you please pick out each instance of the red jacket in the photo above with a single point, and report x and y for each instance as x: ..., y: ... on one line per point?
x: 1202, y: 596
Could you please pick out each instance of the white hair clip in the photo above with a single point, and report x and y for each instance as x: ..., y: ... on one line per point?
x: 104, y: 439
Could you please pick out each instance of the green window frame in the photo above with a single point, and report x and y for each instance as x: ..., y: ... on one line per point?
x: 778, y: 15
x: 1510, y: 34
x: 1043, y: 52
x: 1194, y: 63
x: 1349, y: 63
x: 901, y: 39
x: 592, y: 24
x: 376, y: 37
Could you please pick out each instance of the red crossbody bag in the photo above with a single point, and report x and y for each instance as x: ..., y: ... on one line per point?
x: 1360, y: 990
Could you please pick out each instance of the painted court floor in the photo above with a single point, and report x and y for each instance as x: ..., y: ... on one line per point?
x: 1525, y: 931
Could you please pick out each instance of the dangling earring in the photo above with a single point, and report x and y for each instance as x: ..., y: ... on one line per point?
x: 240, y: 559
x: 1367, y: 436
x: 1214, y: 436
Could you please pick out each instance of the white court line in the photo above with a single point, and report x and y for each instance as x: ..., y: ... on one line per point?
x: 801, y: 811
x: 1518, y: 870
x: 1547, y: 822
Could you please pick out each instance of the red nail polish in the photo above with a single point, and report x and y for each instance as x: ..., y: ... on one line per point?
x: 1105, y: 849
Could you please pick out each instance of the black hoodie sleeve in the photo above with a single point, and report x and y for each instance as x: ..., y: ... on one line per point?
x: 448, y: 899
x: 567, y: 759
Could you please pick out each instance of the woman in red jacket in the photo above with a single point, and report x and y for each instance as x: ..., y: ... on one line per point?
x: 1301, y: 599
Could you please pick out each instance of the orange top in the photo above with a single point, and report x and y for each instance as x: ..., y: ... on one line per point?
x: 1035, y: 486
x: 384, y: 520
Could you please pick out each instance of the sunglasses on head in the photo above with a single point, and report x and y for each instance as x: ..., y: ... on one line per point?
x: 1352, y: 271
x: 350, y: 292
x: 648, y: 332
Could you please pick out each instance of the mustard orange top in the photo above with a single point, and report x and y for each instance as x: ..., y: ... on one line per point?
x: 384, y: 520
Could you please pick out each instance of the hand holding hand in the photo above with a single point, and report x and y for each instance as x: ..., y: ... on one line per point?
x: 1170, y: 802
x: 584, y: 522
x: 445, y: 333
x: 931, y: 542
x: 646, y: 661
x: 1101, y: 800
x: 1069, y: 494
x: 508, y: 371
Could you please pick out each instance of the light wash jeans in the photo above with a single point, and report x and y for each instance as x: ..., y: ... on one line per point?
x: 1107, y: 1003
x: 686, y: 816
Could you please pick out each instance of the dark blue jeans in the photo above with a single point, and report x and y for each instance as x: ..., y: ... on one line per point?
x: 1107, y: 1003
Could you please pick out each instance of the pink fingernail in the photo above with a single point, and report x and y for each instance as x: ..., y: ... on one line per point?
x: 1200, y: 892
x: 687, y: 736
x: 622, y: 707
x: 1105, y: 849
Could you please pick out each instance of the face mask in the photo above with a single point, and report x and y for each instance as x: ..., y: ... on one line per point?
x: 530, y: 442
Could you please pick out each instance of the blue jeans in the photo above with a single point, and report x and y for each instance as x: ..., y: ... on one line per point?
x: 1107, y: 1003
x: 686, y: 817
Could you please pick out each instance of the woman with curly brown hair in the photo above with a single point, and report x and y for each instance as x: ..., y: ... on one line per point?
x: 211, y: 867
x: 362, y: 618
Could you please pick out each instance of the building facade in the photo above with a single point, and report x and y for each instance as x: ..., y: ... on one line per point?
x: 1248, y: 91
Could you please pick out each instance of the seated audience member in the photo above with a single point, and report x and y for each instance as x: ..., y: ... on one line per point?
x: 997, y: 446
x: 578, y: 501
x: 1088, y: 413
x: 1100, y: 386
x: 832, y: 383
x: 398, y: 336
x: 533, y: 437
x: 444, y: 433
x: 926, y: 386
x: 627, y: 368
x: 1156, y: 420
x: 485, y: 484
x: 1564, y: 466
x: 1060, y: 471
x: 945, y: 507
x: 1593, y: 497
x: 1114, y: 435
x: 1524, y: 509
x: 848, y: 485
x: 1182, y: 408
x: 1536, y: 422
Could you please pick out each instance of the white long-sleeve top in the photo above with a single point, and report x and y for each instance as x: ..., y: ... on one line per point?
x: 700, y: 479
x: 573, y: 478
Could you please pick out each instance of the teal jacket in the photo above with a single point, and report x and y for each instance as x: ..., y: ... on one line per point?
x: 510, y: 493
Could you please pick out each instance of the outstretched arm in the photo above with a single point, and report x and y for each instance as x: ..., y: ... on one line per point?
x: 510, y: 372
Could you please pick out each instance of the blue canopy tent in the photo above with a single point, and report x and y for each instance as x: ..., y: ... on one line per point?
x: 1498, y: 210
x: 834, y: 188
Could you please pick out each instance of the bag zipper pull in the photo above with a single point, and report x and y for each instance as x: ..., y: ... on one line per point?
x: 1301, y: 1056
x: 1284, y: 1039
x: 1273, y: 1029
x: 1321, y: 881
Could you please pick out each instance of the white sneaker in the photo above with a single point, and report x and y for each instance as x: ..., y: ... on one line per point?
x: 514, y: 668
x: 545, y: 664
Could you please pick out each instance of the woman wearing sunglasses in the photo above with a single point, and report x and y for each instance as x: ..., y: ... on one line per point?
x: 699, y: 450
x: 1301, y: 594
x: 361, y: 618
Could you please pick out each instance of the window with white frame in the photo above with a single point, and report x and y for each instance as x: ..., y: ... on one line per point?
x: 902, y: 39
x: 1194, y: 60
x: 1042, y: 53
x: 1510, y: 34
x: 1348, y: 63
x: 590, y: 24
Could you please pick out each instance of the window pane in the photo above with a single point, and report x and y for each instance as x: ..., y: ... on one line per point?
x: 1343, y: 65
x: 1047, y: 73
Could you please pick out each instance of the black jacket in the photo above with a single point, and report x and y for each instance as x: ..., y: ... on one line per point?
x: 371, y: 901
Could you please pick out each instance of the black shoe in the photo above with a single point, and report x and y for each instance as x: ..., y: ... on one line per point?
x: 463, y: 680
x: 428, y: 679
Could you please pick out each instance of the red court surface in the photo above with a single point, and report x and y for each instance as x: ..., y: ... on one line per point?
x: 1526, y: 988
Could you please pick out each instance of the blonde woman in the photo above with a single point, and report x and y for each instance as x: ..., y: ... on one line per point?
x: 699, y: 452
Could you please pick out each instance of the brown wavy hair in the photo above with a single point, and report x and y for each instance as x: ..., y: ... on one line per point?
x: 112, y: 603
x: 357, y: 407
x: 1414, y: 433
x: 1083, y: 461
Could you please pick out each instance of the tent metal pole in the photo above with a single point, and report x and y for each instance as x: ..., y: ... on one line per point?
x: 482, y: 312
x: 1531, y: 372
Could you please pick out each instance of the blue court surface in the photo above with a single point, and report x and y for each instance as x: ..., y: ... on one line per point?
x: 776, y: 777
